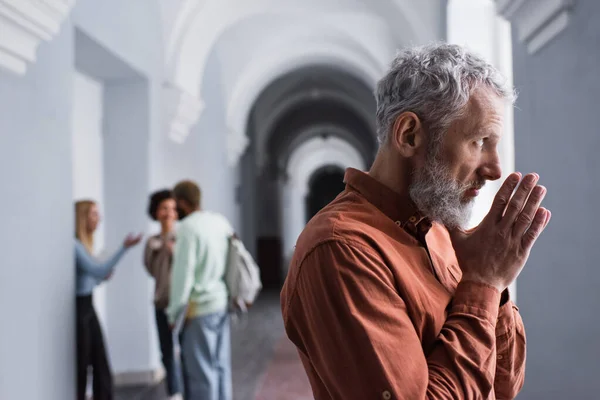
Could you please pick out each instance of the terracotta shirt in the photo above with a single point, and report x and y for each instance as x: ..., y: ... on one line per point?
x: 374, y: 305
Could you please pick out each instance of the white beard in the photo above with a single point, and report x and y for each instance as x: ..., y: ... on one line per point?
x: 440, y: 197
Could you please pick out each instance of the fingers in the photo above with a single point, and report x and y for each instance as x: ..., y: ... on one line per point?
x: 525, y: 218
x: 518, y: 200
x: 548, y: 216
x: 540, y: 221
x: 503, y: 196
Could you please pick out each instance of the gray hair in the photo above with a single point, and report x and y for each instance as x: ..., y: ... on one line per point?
x: 435, y: 82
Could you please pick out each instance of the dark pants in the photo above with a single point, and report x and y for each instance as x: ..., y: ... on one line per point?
x: 171, y: 365
x: 91, y: 351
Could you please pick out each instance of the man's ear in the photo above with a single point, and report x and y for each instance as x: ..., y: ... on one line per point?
x: 407, y: 134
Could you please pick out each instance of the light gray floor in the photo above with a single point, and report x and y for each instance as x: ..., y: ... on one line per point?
x: 253, y: 341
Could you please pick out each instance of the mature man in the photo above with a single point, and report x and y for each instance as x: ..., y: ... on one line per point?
x: 198, y: 289
x: 387, y: 296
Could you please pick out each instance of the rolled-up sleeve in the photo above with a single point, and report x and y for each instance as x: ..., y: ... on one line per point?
x: 356, y: 338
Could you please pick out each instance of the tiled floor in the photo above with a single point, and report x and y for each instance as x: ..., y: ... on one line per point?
x: 285, y: 378
x: 254, y: 341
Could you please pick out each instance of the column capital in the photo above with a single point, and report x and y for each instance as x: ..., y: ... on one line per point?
x: 237, y: 142
x: 537, y: 22
x: 25, y: 24
x: 181, y: 111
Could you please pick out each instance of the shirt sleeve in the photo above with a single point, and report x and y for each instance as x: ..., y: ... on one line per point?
x: 510, y: 349
x: 148, y: 253
x: 99, y: 270
x: 347, y: 318
x: 185, y: 259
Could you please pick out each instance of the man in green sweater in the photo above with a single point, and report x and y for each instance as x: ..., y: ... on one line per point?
x: 198, y: 289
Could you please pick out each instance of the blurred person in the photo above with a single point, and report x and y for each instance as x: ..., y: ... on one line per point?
x: 199, y: 295
x: 387, y: 295
x: 158, y: 257
x: 91, y: 350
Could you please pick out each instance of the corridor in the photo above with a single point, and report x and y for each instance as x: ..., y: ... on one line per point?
x: 265, y: 364
x: 264, y: 104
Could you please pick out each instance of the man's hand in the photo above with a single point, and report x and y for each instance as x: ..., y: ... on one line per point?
x: 495, y: 252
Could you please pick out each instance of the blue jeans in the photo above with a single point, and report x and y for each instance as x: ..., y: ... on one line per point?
x: 206, y: 356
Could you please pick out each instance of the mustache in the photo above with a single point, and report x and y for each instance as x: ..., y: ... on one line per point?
x: 478, y: 185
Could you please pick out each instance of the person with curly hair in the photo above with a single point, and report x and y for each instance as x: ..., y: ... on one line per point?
x: 158, y: 257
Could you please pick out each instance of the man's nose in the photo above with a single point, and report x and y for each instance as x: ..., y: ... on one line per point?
x: 492, y: 170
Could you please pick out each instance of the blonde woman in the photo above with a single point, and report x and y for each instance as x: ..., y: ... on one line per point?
x: 89, y: 273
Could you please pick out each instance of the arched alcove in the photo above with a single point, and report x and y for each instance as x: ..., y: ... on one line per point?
x: 324, y: 185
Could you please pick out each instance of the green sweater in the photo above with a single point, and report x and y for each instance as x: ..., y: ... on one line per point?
x: 199, y: 261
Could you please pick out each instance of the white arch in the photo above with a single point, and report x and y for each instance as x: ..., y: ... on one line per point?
x: 272, y: 64
x: 288, y: 102
x: 304, y: 161
x: 196, y: 26
x: 200, y: 24
x: 318, y: 152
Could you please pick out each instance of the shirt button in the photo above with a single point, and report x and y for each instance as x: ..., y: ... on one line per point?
x: 398, y: 223
x: 412, y: 219
x: 500, y: 357
x: 386, y: 395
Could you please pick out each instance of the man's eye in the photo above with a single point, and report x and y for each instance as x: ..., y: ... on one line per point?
x: 480, y: 142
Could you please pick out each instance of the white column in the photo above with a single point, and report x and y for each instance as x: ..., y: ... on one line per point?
x: 88, y: 162
x: 37, y: 275
x: 294, y: 216
x: 130, y: 312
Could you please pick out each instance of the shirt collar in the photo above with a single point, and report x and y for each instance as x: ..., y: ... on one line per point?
x: 399, y: 209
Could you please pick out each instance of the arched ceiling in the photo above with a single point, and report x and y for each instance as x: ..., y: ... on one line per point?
x: 260, y: 40
x: 322, y: 119
x: 313, y: 101
x: 309, y: 101
x: 198, y: 24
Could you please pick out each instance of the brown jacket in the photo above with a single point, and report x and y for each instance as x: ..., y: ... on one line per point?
x: 376, y: 314
x: 158, y: 260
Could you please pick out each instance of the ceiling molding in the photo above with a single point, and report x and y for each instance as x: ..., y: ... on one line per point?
x: 25, y: 24
x: 237, y: 142
x: 181, y: 112
x: 537, y: 21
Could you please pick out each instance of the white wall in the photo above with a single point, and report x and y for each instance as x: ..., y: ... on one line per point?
x: 88, y: 162
x: 556, y: 135
x: 130, y: 312
x: 45, y: 115
x: 129, y: 42
x: 203, y: 156
x: 37, y: 275
x: 131, y: 29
